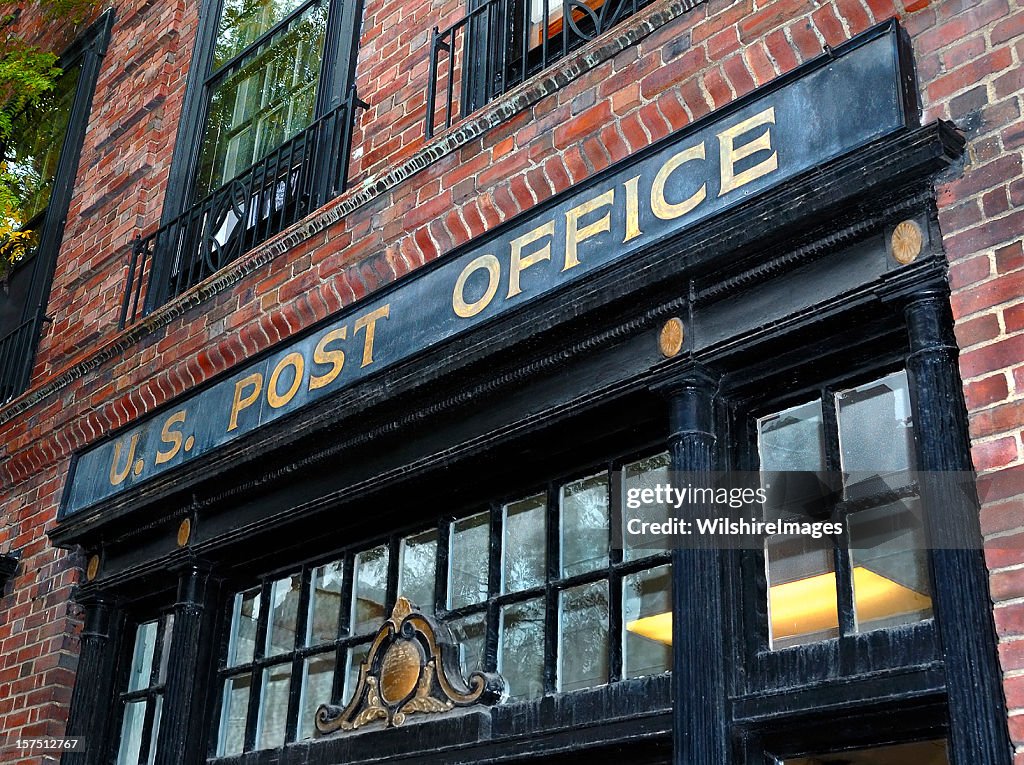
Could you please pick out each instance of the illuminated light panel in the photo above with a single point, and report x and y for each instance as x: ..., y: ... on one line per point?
x: 809, y: 605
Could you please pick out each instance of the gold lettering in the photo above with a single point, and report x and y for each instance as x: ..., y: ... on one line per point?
x: 295, y: 361
x: 662, y: 207
x: 729, y: 154
x: 335, y: 358
x: 370, y: 323
x: 171, y: 436
x: 574, y: 234
x: 520, y: 263
x: 117, y: 475
x: 632, y: 209
x: 241, y: 402
x: 466, y: 310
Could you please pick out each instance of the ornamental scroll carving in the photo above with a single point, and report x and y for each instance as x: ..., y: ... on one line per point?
x: 412, y: 667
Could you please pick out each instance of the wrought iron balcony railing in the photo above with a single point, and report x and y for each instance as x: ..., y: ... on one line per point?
x: 299, y: 176
x: 500, y: 43
x: 17, y: 351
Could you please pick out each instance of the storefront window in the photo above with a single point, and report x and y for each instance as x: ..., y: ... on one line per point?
x: 868, y: 436
x: 141, y: 702
x: 531, y: 583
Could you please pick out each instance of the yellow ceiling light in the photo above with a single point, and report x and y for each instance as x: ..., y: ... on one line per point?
x: 808, y: 605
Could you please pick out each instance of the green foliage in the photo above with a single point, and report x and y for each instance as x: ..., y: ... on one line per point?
x: 27, y: 75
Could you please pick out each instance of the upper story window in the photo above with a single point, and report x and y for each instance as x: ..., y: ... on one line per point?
x: 876, y: 572
x: 41, y: 161
x: 530, y: 586
x: 501, y: 43
x: 264, y: 142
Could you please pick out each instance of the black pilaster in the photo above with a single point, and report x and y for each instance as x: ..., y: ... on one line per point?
x: 963, y: 608
x: 88, y: 716
x: 699, y: 726
x: 181, y: 735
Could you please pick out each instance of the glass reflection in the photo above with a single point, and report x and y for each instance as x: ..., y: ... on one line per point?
x: 317, y: 683
x: 891, y: 584
x: 353, y: 662
x: 468, y: 560
x: 273, y: 716
x: 244, y: 618
x: 647, y: 622
x: 243, y: 22
x: 521, y: 649
x: 234, y: 709
x: 418, y: 568
x: 470, y: 632
x: 284, y: 610
x: 371, y: 590
x: 584, y: 519
x: 265, y: 100
x: 876, y: 430
x: 644, y: 474
x: 142, y: 656
x: 583, y: 636
x: 525, y: 541
x: 325, y: 594
x: 130, y: 748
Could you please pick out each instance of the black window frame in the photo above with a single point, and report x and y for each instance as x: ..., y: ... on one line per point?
x: 321, y: 150
x: 614, y: 571
x: 852, y: 653
x: 18, y: 347
x: 155, y: 688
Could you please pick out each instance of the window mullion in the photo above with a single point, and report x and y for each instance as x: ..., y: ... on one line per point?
x: 841, y: 548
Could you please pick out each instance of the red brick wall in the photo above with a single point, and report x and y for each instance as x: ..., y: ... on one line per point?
x: 968, y: 54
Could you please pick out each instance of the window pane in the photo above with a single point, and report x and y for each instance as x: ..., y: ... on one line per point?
x: 647, y: 622
x: 273, y: 707
x: 317, y: 682
x: 266, y: 100
x: 792, y: 440
x: 525, y: 542
x: 245, y: 615
x: 371, y: 589
x: 890, y: 566
x: 35, y: 142
x: 521, y: 649
x: 918, y: 753
x: 242, y: 22
x: 166, y: 648
x: 583, y: 636
x: 418, y: 569
x: 154, y: 734
x: 468, y: 559
x: 876, y: 431
x: 470, y: 633
x: 584, y: 517
x: 234, y: 708
x: 325, y: 603
x: 131, y: 733
x: 142, y: 656
x: 356, y: 655
x: 645, y: 474
x: 802, y: 599
x: 284, y: 610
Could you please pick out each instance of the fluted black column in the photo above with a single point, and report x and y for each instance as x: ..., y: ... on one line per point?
x: 181, y: 736
x: 89, y: 713
x: 963, y: 608
x: 699, y: 727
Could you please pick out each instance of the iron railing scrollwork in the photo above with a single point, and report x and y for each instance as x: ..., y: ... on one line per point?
x: 500, y: 43
x: 302, y: 174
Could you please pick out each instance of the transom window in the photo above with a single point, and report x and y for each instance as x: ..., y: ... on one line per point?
x: 875, y: 574
x: 141, y: 700
x: 530, y: 587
